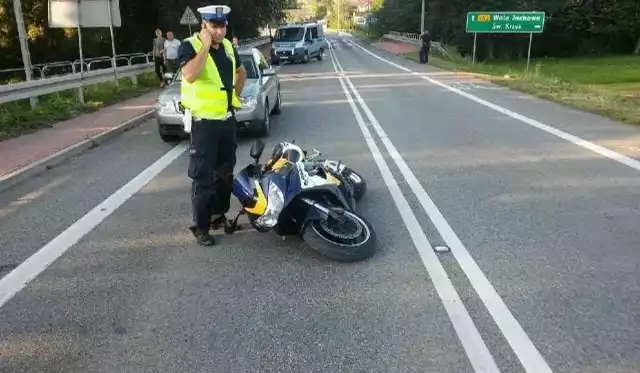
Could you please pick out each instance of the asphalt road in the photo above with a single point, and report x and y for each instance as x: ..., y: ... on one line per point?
x: 543, y: 272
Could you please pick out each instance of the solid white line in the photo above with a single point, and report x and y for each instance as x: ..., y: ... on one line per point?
x: 515, y: 335
x: 472, y: 342
x: 627, y: 161
x: 17, y: 279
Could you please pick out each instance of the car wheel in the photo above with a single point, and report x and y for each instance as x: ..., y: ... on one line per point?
x: 306, y: 57
x: 170, y: 138
x: 277, y: 109
x: 320, y: 54
x: 265, y: 123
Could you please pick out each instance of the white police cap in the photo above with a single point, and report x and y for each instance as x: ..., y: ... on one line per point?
x: 214, y: 13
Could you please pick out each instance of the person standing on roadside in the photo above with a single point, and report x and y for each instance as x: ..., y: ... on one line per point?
x: 158, y: 56
x: 235, y: 42
x: 212, y: 80
x: 426, y: 45
x: 171, y: 46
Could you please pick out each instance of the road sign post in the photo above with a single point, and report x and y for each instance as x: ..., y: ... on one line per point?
x: 475, y: 38
x: 24, y: 46
x: 86, y: 13
x: 113, y: 43
x: 189, y: 18
x: 505, y: 23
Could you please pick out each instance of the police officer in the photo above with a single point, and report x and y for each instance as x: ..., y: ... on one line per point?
x: 212, y: 79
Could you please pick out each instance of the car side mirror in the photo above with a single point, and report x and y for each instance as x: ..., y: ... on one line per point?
x: 256, y: 150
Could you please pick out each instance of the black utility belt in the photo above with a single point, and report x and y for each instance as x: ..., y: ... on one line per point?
x: 230, y: 114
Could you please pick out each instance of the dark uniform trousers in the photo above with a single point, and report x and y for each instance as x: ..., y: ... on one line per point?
x: 212, y: 158
x: 424, y: 53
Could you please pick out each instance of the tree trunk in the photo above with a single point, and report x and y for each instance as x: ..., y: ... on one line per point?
x: 491, y: 55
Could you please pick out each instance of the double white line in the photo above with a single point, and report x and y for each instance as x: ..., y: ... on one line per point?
x: 472, y: 342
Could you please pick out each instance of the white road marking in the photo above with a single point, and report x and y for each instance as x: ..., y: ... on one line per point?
x: 515, y: 335
x: 468, y: 86
x: 475, y: 348
x: 627, y: 161
x: 17, y: 279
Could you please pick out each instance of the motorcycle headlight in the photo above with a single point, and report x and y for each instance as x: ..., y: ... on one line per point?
x: 275, y: 203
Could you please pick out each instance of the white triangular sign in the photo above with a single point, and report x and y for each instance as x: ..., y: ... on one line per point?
x: 188, y: 17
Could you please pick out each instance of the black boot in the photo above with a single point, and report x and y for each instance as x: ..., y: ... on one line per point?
x: 220, y: 221
x: 203, y: 238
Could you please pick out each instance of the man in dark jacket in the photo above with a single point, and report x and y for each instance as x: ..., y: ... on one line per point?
x: 426, y: 45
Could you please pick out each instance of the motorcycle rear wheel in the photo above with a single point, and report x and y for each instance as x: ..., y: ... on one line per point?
x: 357, y: 243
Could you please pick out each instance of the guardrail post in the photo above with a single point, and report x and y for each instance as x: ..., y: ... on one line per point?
x: 134, y: 78
x: 80, y: 91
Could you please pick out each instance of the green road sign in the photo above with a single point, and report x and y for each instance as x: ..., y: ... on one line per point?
x: 505, y: 22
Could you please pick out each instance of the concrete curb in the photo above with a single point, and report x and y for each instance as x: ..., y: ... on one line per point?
x: 17, y: 176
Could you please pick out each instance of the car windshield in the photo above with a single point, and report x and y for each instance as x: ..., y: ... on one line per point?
x: 249, y: 64
x: 289, y: 34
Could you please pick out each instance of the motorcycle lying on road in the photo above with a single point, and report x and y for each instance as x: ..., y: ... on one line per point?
x: 293, y: 194
x: 357, y: 182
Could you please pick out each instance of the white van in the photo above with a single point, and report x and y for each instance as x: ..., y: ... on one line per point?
x: 298, y: 42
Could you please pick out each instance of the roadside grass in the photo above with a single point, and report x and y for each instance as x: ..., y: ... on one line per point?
x: 605, y: 85
x: 371, y: 36
x: 17, y: 118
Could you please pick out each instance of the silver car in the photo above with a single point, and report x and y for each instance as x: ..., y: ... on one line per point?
x: 260, y: 98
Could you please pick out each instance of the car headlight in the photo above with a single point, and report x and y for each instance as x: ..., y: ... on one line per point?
x: 275, y: 204
x: 249, y: 101
x: 164, y: 105
x: 300, y: 44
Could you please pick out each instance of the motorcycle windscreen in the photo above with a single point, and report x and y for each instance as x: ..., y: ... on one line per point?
x: 287, y: 178
x: 244, y: 189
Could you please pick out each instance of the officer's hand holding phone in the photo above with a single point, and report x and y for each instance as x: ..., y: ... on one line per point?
x: 206, y: 38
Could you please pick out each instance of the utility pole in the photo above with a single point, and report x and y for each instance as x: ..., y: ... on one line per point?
x: 24, y: 46
x: 422, y: 19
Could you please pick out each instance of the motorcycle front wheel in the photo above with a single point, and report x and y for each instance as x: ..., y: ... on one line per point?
x: 358, y: 182
x: 347, y: 237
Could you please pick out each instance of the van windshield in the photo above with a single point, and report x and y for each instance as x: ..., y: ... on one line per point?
x: 289, y: 34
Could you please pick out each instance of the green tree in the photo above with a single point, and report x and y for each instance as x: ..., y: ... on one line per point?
x: 139, y: 20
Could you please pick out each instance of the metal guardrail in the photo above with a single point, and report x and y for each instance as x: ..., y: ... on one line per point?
x: 403, y: 36
x: 35, y: 88
x: 414, y: 38
x: 57, y: 68
x: 75, y: 80
x: 254, y: 42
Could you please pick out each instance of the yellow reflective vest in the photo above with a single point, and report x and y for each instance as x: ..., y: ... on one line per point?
x: 205, y: 96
